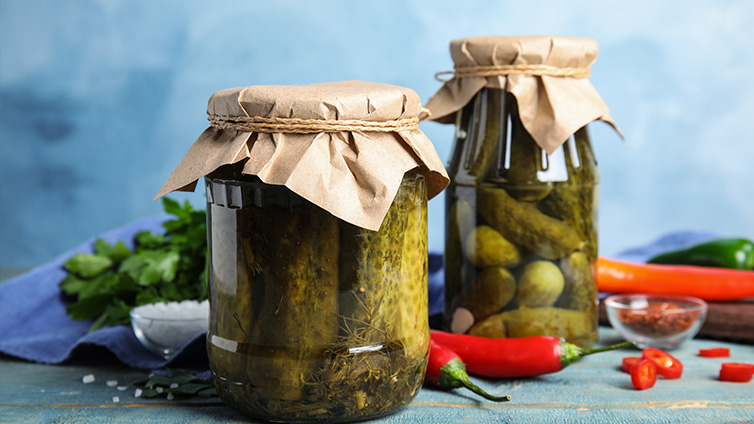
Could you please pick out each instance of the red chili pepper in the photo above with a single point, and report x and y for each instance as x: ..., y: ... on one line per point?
x: 629, y: 362
x: 714, y: 284
x: 736, y: 372
x: 447, y: 371
x: 715, y: 352
x: 515, y: 357
x: 643, y: 374
x: 667, y: 366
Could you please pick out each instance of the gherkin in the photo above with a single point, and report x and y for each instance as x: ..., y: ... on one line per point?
x: 526, y: 226
x: 580, y: 290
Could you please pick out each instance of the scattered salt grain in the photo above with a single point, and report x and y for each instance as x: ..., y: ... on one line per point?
x: 122, y: 388
x: 137, y: 393
x: 171, y: 396
x: 111, y: 383
x: 158, y: 389
x: 89, y: 378
x: 116, y: 399
x: 174, y: 386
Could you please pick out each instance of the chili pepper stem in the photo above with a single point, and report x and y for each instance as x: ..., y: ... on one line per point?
x: 570, y: 353
x: 453, y: 375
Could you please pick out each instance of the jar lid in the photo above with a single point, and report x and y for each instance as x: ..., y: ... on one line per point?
x: 344, y: 146
x: 548, y: 75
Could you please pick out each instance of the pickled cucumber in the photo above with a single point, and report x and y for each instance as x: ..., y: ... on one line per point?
x: 490, y: 291
x: 574, y: 201
x: 301, y: 283
x: 411, y: 327
x: 460, y: 222
x: 524, y: 160
x: 571, y: 325
x: 580, y: 290
x: 485, y: 247
x: 492, y: 327
x: 541, y: 284
x: 525, y: 226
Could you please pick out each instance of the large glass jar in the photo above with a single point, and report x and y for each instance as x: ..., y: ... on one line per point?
x: 313, y: 318
x: 521, y: 235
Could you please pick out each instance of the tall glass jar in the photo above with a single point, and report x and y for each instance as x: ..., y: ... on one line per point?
x: 521, y: 235
x: 313, y: 318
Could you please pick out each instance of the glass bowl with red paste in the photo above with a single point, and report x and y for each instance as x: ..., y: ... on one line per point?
x: 653, y: 320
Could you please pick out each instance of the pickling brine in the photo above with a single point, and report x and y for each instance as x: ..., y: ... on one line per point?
x: 521, y: 235
x: 313, y: 318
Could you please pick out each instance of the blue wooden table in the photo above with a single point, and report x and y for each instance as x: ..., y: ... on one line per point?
x: 593, y: 390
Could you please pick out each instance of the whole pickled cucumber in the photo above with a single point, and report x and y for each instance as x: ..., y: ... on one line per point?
x: 490, y: 291
x: 548, y: 321
x: 460, y: 222
x: 486, y: 135
x: 298, y: 319
x: 580, y: 290
x: 541, y: 284
x: 380, y: 351
x: 411, y: 327
x: 492, y: 327
x: 233, y: 262
x: 524, y: 160
x: 485, y: 247
x: 574, y: 201
x: 370, y: 275
x: 525, y: 226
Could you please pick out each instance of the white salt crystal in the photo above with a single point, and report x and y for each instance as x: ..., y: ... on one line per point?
x: 158, y: 389
x: 137, y: 393
x: 89, y: 378
x: 116, y: 399
x: 174, y: 386
x: 112, y: 383
x: 170, y: 325
x: 122, y: 388
x: 171, y: 396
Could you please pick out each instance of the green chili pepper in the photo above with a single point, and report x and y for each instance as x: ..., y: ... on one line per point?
x: 723, y: 253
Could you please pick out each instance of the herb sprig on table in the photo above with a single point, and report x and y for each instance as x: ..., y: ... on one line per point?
x: 162, y: 268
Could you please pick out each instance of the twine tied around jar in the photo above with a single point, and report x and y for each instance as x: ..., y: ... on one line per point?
x: 520, y: 69
x: 262, y: 124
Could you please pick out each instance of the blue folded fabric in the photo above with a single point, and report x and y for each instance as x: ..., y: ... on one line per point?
x: 35, y: 327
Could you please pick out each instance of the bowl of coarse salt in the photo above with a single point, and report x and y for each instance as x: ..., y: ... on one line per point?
x: 164, y: 328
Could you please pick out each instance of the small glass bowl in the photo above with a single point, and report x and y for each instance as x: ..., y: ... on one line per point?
x: 164, y: 328
x: 654, y: 320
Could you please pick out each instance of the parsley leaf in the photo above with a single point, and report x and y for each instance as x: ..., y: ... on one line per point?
x: 110, y: 282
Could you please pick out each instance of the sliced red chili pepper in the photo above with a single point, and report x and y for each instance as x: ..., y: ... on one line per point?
x: 643, y: 374
x: 715, y: 352
x: 736, y: 372
x: 629, y: 362
x: 666, y: 365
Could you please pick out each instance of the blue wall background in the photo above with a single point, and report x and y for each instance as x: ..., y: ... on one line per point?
x: 99, y: 100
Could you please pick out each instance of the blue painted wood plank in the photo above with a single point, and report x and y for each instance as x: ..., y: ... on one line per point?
x: 593, y: 390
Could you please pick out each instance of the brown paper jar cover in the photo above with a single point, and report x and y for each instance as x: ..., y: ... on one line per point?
x: 551, y: 106
x: 353, y: 174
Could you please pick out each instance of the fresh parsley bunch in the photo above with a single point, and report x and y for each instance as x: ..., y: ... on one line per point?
x: 162, y: 268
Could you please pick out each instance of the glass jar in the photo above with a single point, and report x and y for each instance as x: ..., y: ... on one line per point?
x: 313, y: 318
x: 521, y: 231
